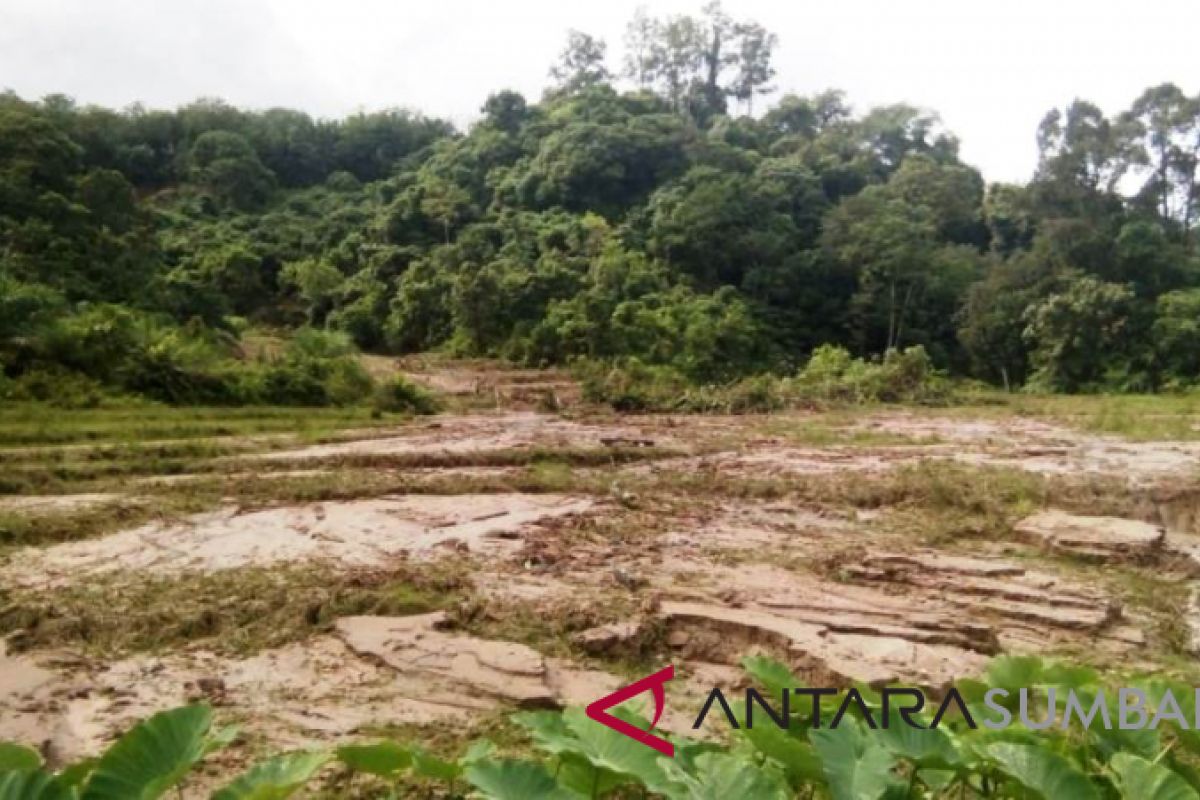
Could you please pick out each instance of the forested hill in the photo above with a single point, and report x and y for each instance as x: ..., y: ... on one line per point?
x: 648, y: 216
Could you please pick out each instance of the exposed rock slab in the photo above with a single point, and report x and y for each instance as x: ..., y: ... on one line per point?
x: 609, y: 639
x: 1097, y: 538
x: 362, y: 533
x: 706, y: 631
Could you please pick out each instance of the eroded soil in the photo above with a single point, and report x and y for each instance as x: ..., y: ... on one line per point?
x: 878, y: 546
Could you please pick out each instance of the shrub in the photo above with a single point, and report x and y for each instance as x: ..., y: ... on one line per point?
x: 60, y: 387
x: 832, y: 375
x: 904, y: 376
x: 400, y: 395
x: 573, y: 757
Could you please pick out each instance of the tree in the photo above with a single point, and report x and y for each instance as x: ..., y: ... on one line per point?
x: 1177, y: 335
x: 317, y: 282
x: 1082, y: 157
x: 581, y: 63
x: 227, y: 166
x: 1080, y: 335
x: 687, y: 59
x: 756, y: 45
x: 889, y: 244
x: 1166, y: 124
x: 444, y: 201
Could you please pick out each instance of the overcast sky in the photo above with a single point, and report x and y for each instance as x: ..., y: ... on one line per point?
x: 990, y: 68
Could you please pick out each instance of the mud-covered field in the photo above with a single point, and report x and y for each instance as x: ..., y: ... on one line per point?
x: 326, y: 576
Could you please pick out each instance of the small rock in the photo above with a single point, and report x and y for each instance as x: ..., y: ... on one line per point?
x: 629, y: 580
x: 678, y: 638
x: 605, y: 639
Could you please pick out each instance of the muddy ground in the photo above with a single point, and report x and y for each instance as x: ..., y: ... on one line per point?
x: 499, y: 556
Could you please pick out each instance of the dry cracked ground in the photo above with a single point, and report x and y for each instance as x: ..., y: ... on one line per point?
x: 424, y: 577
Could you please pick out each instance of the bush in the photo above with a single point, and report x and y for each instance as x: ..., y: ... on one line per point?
x: 832, y: 375
x: 400, y: 395
x: 59, y: 387
x: 904, y: 376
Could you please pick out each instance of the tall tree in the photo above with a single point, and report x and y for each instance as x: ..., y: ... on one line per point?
x: 1166, y: 123
x: 755, y: 47
x: 581, y: 63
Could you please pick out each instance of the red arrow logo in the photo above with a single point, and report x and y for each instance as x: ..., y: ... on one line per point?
x: 598, y: 710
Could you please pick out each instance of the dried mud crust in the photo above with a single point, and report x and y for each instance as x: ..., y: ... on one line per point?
x: 680, y: 575
x: 361, y: 533
x: 489, y: 433
x: 370, y: 672
x: 1031, y: 445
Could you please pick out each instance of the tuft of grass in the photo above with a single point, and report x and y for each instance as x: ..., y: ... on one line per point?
x: 237, y: 611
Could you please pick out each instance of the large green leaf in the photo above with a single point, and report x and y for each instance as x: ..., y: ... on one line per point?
x: 15, y: 757
x: 275, y: 778
x: 719, y: 776
x: 1014, y: 672
x: 1185, y: 698
x: 76, y: 774
x: 856, y: 767
x: 1139, y: 779
x: 796, y: 756
x: 430, y: 766
x: 607, y: 749
x: 152, y: 757
x: 515, y: 780
x: 1048, y: 774
x: 772, y: 675
x: 549, y: 731
x: 382, y: 759
x: 33, y: 785
x: 927, y: 747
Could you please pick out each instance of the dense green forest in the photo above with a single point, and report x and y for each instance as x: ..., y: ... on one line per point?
x: 650, y: 214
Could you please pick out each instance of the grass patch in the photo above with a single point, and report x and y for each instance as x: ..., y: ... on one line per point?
x: 236, y: 612
x: 1137, y: 417
x: 19, y: 528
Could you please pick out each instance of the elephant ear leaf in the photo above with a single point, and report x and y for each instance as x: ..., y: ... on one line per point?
x: 856, y: 767
x: 152, y: 757
x: 1047, y: 774
x: 275, y: 778
x: 18, y: 758
x: 33, y: 785
x: 516, y: 780
x: 1146, y: 780
x: 383, y: 759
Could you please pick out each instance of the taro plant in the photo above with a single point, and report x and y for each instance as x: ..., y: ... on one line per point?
x: 573, y: 758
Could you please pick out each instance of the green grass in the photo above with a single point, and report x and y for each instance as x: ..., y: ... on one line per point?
x: 1138, y: 417
x: 41, y: 425
x: 235, y: 611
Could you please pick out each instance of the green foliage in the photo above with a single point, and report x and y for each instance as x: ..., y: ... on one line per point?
x: 276, y: 778
x: 16, y: 758
x: 602, y: 224
x: 833, y: 375
x: 400, y: 395
x: 1079, y: 335
x: 577, y: 758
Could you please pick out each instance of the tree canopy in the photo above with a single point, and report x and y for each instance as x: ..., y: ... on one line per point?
x: 636, y: 211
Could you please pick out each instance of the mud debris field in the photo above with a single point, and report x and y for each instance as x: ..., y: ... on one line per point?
x: 428, y: 575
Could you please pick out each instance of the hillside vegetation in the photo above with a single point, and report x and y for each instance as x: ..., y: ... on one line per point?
x: 646, y: 218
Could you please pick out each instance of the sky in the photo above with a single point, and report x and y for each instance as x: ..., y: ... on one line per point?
x: 991, y: 69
